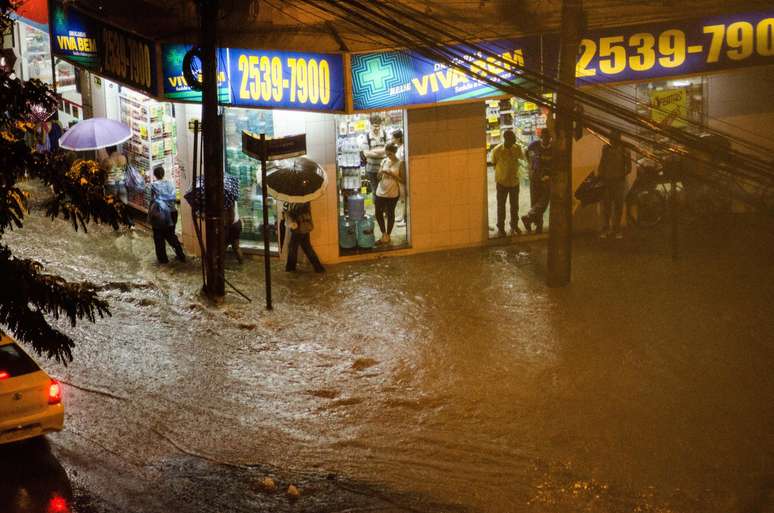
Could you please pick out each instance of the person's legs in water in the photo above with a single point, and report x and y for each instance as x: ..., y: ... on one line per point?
x: 513, y: 199
x: 306, y: 245
x: 170, y: 237
x: 290, y: 265
x: 123, y: 195
x: 607, y: 205
x: 617, y: 201
x: 160, y: 245
x: 236, y: 233
x: 502, y: 195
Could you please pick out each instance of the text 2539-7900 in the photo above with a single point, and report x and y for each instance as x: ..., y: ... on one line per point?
x: 126, y: 58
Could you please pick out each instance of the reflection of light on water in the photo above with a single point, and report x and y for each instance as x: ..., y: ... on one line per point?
x: 405, y: 371
x: 58, y: 504
x: 23, y: 499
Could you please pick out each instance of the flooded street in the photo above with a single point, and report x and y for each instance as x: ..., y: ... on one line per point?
x: 441, y: 382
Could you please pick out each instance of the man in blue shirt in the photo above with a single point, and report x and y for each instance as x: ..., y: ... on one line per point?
x: 162, y: 215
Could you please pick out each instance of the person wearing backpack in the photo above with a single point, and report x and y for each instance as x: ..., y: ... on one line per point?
x: 162, y: 216
x: 299, y: 218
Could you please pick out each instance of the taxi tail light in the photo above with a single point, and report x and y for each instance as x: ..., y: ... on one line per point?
x: 54, y: 392
x: 4, y: 375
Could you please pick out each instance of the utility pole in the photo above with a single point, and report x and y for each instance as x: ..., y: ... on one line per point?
x: 560, y: 221
x: 212, y: 145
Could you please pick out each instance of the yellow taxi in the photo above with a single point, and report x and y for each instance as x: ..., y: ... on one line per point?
x: 30, y: 400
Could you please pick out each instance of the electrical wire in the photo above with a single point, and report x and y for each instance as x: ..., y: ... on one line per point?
x: 366, y: 18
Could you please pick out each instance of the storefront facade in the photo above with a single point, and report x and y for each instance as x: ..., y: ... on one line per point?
x: 449, y: 120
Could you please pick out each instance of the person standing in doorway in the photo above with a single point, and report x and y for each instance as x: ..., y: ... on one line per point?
x: 373, y: 150
x: 540, y: 155
x: 388, y: 192
x: 506, y: 158
x: 162, y: 216
x: 300, y: 223
x: 614, y: 165
x: 397, y: 140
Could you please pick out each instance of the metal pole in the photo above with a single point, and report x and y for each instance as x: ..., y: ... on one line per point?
x: 196, y: 216
x: 212, y: 143
x: 264, y: 196
x: 674, y: 213
x: 560, y: 223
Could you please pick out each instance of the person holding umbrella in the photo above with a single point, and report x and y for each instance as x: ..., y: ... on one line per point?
x: 297, y: 186
x: 300, y: 223
x: 96, y: 134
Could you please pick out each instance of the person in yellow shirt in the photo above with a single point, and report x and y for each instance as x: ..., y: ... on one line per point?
x: 506, y: 158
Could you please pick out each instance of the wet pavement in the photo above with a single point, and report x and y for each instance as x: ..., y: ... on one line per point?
x: 436, y: 383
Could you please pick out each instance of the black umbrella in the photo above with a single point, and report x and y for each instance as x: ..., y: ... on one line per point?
x: 195, y: 197
x: 303, y: 182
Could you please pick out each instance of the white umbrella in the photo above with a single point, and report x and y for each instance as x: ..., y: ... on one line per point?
x: 95, y: 133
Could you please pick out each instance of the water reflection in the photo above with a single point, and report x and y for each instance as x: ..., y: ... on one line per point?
x: 32, y: 480
x: 644, y: 386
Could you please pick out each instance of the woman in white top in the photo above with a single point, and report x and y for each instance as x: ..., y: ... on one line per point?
x: 388, y: 191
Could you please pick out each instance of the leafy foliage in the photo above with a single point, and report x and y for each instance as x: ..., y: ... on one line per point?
x: 27, y: 294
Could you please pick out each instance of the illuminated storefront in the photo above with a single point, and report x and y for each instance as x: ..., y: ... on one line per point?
x: 449, y: 119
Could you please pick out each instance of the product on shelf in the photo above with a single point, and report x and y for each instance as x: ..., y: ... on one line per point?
x: 153, y: 141
x: 356, y: 202
x: 248, y: 170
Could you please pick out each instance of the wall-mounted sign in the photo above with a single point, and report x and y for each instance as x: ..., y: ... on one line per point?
x: 103, y: 49
x: 273, y: 149
x: 407, y: 78
x: 74, y: 36
x: 175, y: 85
x: 674, y: 48
x: 391, y: 79
x: 290, y: 80
x: 258, y: 78
x: 128, y: 58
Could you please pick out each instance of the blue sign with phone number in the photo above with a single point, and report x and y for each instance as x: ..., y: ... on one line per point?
x: 265, y: 78
x: 262, y: 78
x: 674, y: 48
x: 402, y: 78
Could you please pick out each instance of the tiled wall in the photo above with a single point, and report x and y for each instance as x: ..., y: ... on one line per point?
x: 446, y: 179
x: 447, y: 176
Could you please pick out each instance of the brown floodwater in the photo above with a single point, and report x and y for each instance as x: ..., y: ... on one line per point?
x: 458, y: 378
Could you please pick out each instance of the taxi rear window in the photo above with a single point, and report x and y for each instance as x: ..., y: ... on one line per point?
x: 16, y: 362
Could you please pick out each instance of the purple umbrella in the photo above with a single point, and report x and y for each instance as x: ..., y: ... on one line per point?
x: 95, y: 133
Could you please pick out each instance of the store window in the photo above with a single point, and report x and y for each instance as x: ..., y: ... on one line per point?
x: 373, y: 206
x: 675, y: 103
x: 526, y: 120
x: 153, y: 141
x: 35, y: 53
x: 247, y: 170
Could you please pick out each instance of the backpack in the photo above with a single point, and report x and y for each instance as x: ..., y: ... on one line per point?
x: 133, y: 179
x: 159, y: 214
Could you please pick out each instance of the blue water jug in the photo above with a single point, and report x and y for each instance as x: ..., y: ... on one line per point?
x: 347, y: 233
x: 356, y: 206
x: 365, y: 233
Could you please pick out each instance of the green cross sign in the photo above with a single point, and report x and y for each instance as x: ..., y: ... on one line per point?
x: 376, y: 75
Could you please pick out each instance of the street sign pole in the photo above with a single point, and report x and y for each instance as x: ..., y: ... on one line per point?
x: 264, y: 196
